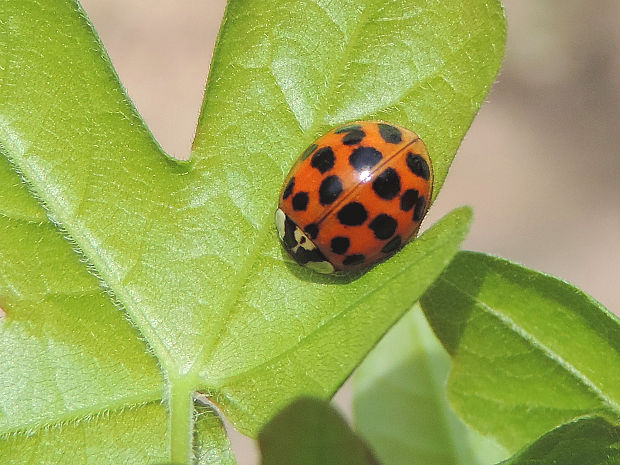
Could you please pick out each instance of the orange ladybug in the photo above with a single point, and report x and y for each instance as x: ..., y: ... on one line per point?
x: 355, y: 196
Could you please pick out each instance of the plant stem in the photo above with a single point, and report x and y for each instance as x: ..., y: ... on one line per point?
x: 181, y: 425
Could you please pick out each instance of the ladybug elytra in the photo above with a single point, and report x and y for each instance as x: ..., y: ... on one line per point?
x: 355, y: 196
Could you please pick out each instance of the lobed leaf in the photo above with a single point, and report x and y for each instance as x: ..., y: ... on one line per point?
x: 301, y: 68
x: 189, y: 250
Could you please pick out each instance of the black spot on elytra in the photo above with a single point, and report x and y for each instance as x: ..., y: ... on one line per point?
x: 418, y: 166
x: 340, y: 244
x: 352, y: 214
x: 384, y: 226
x: 312, y: 230
x: 392, y: 246
x: 347, y: 128
x: 354, y: 136
x: 323, y: 159
x: 353, y: 260
x: 300, y: 201
x: 387, y: 184
x: 289, y: 189
x: 408, y: 199
x: 330, y: 189
x: 390, y: 134
x: 420, y: 209
x: 311, y: 148
x: 364, y: 158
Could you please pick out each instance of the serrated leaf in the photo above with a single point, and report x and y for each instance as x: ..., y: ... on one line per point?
x: 189, y: 249
x: 400, y: 403
x: 529, y: 351
x: 587, y: 441
x: 310, y: 432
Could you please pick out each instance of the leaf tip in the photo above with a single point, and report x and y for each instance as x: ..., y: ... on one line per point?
x: 462, y: 217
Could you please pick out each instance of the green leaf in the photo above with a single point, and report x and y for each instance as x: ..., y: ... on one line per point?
x: 136, y: 435
x: 211, y: 445
x: 293, y: 73
x: 310, y: 432
x: 400, y: 402
x: 529, y: 351
x: 304, y: 66
x: 189, y: 250
x: 587, y: 441
x: 66, y: 352
x: 76, y: 380
x: 347, y: 324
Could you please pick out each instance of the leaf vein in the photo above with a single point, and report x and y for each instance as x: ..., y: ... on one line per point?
x: 331, y: 320
x: 513, y: 326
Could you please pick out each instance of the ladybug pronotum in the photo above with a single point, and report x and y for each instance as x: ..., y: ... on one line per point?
x: 355, y: 196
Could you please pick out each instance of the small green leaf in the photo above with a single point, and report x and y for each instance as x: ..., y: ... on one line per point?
x: 587, y: 441
x: 310, y: 432
x: 400, y: 402
x: 211, y: 445
x: 530, y: 352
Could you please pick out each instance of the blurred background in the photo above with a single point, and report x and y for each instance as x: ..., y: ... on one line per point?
x: 540, y: 165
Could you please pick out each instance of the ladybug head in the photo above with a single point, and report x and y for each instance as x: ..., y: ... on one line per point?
x: 300, y: 246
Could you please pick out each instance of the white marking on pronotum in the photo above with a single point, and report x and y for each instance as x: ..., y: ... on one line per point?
x: 280, y: 219
x: 320, y: 267
x: 302, y: 240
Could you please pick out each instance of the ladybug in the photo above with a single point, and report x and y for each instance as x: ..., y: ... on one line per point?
x: 355, y: 196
